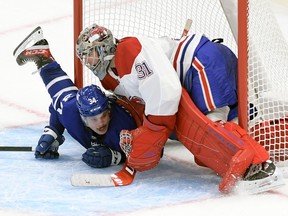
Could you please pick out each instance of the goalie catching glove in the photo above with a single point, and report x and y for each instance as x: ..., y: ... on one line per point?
x: 100, y: 156
x: 49, y: 143
x: 143, y: 146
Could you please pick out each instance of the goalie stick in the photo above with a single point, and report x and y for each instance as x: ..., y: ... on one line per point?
x: 123, y: 177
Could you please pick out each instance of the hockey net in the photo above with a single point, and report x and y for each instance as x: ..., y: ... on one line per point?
x: 260, y: 46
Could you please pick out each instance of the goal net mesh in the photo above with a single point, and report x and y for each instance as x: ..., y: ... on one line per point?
x: 266, y: 92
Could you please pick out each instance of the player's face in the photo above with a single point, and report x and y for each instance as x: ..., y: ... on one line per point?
x: 99, y: 123
x: 92, y: 58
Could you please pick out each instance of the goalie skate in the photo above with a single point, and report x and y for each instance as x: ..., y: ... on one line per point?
x: 260, y: 178
x: 35, y: 36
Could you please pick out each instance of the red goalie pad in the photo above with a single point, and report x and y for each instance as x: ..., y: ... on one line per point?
x: 225, y: 148
x: 273, y: 135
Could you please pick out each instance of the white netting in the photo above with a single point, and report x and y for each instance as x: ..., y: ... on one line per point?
x: 267, y: 79
x: 156, y: 18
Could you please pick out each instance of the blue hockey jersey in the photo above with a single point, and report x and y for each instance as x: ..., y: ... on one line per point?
x: 65, y: 114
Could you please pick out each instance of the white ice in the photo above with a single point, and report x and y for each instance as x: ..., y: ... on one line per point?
x: 32, y: 187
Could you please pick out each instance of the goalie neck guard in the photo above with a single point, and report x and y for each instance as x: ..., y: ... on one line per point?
x: 91, y: 101
x: 98, y: 38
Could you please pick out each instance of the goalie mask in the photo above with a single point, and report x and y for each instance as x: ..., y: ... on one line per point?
x: 91, y: 101
x: 102, y: 41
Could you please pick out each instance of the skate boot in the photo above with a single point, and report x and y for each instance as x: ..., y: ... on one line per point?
x: 34, y: 48
x: 260, y: 178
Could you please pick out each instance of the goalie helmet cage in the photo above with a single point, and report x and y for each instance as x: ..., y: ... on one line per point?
x: 248, y: 28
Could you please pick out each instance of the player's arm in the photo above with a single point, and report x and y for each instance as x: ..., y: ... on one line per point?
x: 144, y: 145
x: 155, y: 81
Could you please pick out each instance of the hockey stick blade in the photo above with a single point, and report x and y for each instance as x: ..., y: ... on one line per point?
x: 122, y: 178
x: 16, y: 148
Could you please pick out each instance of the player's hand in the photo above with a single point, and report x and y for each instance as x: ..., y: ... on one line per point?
x: 100, y: 156
x: 48, y: 144
x: 46, y: 151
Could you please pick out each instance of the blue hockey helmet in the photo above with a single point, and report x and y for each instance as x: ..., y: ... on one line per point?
x: 91, y: 101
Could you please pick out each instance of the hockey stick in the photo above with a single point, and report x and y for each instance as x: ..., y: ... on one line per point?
x: 126, y: 175
x: 16, y: 148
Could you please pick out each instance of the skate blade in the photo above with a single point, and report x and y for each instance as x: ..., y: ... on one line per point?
x: 31, y: 39
x: 262, y: 185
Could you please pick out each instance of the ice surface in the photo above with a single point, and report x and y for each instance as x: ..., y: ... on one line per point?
x: 32, y: 187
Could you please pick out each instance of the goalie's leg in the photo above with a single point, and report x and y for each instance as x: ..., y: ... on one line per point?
x: 225, y: 148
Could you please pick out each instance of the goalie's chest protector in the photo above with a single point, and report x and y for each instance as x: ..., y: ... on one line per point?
x: 144, y: 71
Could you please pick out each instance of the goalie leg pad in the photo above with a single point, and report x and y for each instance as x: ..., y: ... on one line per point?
x: 215, y: 144
x: 237, y: 167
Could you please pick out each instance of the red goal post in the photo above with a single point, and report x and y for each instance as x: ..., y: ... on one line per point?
x: 248, y: 27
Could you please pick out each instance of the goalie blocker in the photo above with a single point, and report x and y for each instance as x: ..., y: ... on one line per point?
x: 226, y: 148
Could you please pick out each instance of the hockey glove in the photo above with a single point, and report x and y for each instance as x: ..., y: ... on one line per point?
x: 48, y: 144
x: 100, y: 156
x: 144, y: 145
